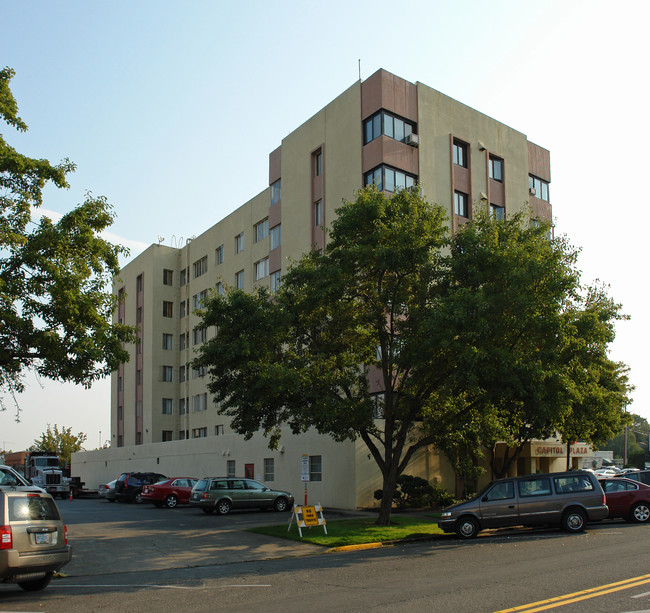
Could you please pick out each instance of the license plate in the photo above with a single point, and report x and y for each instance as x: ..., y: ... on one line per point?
x: 42, y: 538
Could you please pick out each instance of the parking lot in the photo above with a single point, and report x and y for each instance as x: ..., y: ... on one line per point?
x: 114, y: 537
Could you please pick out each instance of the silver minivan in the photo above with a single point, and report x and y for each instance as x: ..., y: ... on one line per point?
x: 33, y: 539
x: 568, y: 499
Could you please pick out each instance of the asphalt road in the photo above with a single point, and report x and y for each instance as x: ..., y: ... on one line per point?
x: 498, y: 571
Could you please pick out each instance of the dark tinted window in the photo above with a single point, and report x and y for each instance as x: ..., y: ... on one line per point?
x: 534, y: 487
x: 219, y: 485
x: 573, y: 483
x: 32, y: 507
x: 201, y: 485
x: 254, y: 485
x: 502, y: 491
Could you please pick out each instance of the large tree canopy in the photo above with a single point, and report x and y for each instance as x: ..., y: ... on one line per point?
x: 55, y: 299
x: 62, y: 442
x: 460, y: 333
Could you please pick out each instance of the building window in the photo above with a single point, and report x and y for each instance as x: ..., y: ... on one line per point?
x: 120, y: 413
x: 138, y: 315
x: 276, y: 236
x: 182, y: 341
x: 218, y: 255
x: 183, y: 277
x: 200, y: 402
x: 275, y: 281
x: 218, y: 430
x: 199, y: 372
x: 388, y: 125
x: 182, y: 406
x: 199, y: 432
x: 120, y: 384
x: 199, y: 335
x: 318, y: 163
x: 496, y: 168
x: 167, y: 406
x: 261, y: 269
x: 198, y: 300
x: 388, y: 179
x: 315, y: 468
x: 138, y: 408
x: 461, y: 204
x: 181, y: 311
x: 138, y: 376
x: 378, y: 403
x: 497, y: 212
x: 276, y: 192
x: 459, y: 154
x: 120, y: 440
x: 168, y: 277
x: 230, y: 468
x: 139, y: 283
x: 219, y: 289
x: 168, y: 309
x: 269, y: 469
x: 239, y: 279
x: 168, y: 373
x: 181, y: 374
x: 538, y: 188
x: 200, y: 266
x: 239, y: 242
x: 167, y: 341
x: 318, y: 213
x: 167, y: 435
x: 261, y: 230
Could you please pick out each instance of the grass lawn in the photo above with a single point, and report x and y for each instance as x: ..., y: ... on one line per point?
x: 342, y: 532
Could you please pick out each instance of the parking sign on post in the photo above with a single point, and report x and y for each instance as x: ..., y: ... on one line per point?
x: 304, y: 472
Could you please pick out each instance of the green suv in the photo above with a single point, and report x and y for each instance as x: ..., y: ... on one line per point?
x: 33, y: 540
x: 221, y: 494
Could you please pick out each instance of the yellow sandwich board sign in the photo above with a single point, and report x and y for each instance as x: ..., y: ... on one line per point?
x: 308, y: 516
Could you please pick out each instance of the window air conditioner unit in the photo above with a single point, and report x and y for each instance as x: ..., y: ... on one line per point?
x: 532, y: 191
x: 413, y: 140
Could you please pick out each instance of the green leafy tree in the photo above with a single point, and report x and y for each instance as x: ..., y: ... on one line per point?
x: 62, y: 442
x: 303, y: 359
x: 55, y: 298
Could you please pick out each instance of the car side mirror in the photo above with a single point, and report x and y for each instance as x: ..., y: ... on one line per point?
x: 12, y: 483
x: 484, y: 499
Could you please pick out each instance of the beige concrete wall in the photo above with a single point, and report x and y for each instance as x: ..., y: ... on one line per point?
x: 440, y: 117
x: 209, y: 456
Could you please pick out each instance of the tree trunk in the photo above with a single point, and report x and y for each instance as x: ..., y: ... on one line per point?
x: 389, y: 487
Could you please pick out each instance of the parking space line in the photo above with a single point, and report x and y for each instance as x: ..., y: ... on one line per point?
x: 161, y: 587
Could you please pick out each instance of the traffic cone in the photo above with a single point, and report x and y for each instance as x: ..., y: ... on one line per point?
x: 71, y: 497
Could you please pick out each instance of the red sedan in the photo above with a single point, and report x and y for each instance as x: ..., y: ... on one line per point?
x: 627, y: 499
x: 170, y: 492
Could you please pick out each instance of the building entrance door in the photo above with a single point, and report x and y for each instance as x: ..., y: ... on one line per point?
x: 249, y: 471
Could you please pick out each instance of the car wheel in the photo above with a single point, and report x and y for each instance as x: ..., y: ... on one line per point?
x: 574, y: 520
x: 640, y: 513
x: 467, y: 528
x: 138, y: 498
x: 223, y: 507
x: 281, y: 504
x: 36, y: 584
x: 171, y: 501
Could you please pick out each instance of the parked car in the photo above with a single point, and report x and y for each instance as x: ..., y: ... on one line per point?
x: 33, y: 539
x: 128, y: 487
x: 569, y: 500
x: 10, y: 480
x: 640, y: 475
x: 170, y: 492
x: 222, y: 494
x: 627, y: 498
x: 107, y: 491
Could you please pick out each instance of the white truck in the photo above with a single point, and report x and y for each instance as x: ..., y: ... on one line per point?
x: 43, y: 469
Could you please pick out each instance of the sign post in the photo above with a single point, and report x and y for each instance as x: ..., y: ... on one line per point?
x: 308, y: 516
x: 304, y: 473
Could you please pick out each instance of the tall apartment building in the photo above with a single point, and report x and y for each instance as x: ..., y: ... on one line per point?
x: 385, y: 131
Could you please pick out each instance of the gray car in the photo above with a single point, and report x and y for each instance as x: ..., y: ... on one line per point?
x: 11, y: 481
x: 222, y: 494
x: 33, y: 539
x: 569, y: 500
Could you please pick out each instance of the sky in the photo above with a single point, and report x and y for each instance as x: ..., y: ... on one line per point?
x: 170, y: 109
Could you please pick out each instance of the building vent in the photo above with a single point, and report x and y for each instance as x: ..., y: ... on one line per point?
x: 413, y: 140
x: 532, y: 191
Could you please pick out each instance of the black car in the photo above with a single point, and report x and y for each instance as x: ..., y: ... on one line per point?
x: 640, y: 475
x: 128, y: 487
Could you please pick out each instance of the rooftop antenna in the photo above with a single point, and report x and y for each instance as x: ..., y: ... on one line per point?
x: 160, y: 239
x: 359, y: 69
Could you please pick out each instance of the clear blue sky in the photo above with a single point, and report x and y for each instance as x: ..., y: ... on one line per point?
x: 170, y: 109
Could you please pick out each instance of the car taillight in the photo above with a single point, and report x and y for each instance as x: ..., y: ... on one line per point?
x: 65, y: 535
x: 205, y: 496
x: 6, y: 540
